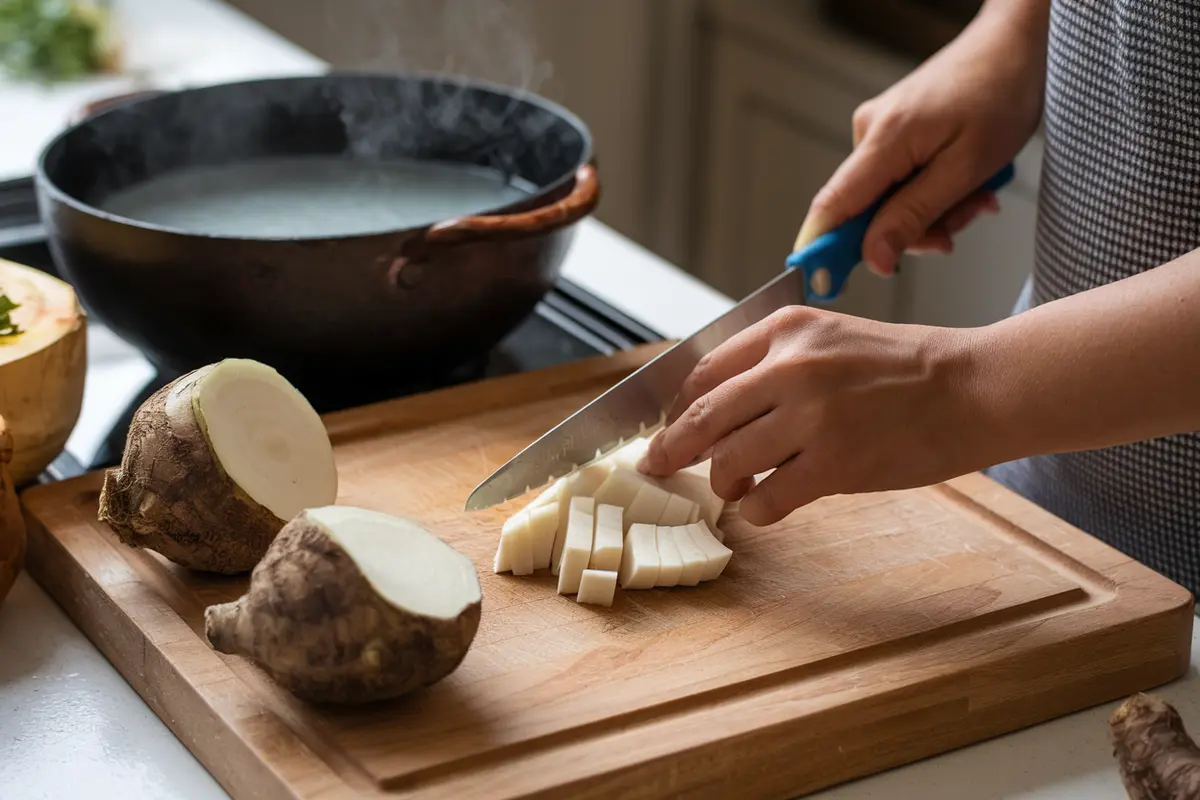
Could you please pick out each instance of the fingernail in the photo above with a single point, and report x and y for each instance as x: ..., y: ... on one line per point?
x: 650, y: 459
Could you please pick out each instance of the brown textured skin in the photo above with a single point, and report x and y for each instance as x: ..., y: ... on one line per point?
x: 171, y: 496
x: 12, y: 524
x: 313, y: 622
x: 1157, y: 758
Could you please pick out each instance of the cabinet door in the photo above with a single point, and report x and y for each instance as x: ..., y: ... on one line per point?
x: 773, y: 134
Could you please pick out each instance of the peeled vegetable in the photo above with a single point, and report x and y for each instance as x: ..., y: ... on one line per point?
x: 1156, y: 757
x: 12, y: 525
x: 353, y: 606
x: 618, y: 526
x: 215, y: 464
x: 597, y: 587
x: 577, y: 552
x: 639, y: 559
x: 43, y: 358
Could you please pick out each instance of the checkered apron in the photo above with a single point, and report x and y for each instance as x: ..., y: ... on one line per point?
x: 1120, y: 194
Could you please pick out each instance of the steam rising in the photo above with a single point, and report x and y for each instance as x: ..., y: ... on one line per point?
x: 485, y: 40
x: 490, y: 40
x: 482, y: 40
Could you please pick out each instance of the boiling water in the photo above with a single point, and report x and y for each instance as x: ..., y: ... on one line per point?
x: 310, y: 196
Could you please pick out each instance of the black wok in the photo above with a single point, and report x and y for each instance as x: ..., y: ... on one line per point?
x: 372, y: 307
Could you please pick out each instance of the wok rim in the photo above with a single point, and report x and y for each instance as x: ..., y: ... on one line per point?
x: 538, y: 199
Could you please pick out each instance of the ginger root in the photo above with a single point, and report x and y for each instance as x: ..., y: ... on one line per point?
x: 1156, y: 757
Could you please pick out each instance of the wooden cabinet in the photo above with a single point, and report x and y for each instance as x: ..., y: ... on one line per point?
x: 773, y: 133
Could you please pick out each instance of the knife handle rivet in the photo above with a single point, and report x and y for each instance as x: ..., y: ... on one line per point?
x: 821, y: 281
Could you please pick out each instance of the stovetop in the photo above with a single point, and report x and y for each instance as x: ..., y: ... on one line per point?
x: 567, y: 325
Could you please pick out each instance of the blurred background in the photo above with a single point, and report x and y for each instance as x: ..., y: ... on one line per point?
x: 715, y: 120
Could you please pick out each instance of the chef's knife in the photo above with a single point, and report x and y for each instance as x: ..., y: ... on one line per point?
x: 639, y: 403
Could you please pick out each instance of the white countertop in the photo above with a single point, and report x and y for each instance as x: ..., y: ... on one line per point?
x: 70, y: 727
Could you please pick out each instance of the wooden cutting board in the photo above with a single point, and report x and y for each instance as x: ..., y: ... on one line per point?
x: 861, y: 633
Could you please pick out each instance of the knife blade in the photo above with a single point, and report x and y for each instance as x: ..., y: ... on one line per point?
x: 638, y: 403
x: 632, y: 406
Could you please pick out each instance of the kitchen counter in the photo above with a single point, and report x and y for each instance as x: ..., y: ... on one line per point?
x: 70, y: 727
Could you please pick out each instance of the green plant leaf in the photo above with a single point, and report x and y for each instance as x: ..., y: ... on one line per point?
x: 50, y: 39
x: 7, y: 326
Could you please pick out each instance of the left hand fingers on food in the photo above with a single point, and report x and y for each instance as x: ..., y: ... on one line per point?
x: 707, y: 420
x: 739, y: 353
x: 752, y: 449
x: 796, y: 483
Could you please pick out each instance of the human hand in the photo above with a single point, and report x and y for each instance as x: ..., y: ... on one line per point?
x: 836, y: 404
x: 958, y: 118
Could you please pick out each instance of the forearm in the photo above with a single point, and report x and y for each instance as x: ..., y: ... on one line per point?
x: 1023, y: 26
x: 1031, y: 15
x: 1116, y: 364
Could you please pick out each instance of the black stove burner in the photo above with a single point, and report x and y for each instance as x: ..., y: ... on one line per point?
x: 569, y: 324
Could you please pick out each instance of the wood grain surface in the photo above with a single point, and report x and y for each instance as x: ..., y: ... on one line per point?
x: 860, y: 633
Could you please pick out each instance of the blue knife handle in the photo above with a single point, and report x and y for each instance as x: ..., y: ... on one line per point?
x: 838, y: 252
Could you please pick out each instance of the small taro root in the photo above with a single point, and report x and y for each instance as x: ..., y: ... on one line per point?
x: 12, y: 525
x: 353, y: 606
x: 1156, y: 757
x: 215, y: 464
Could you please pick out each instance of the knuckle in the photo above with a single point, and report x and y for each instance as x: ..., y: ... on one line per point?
x: 787, y: 320
x: 890, y: 123
x: 724, y: 464
x: 701, y: 370
x: 825, y: 202
x: 911, y: 219
x: 832, y: 200
x: 861, y: 117
x: 695, y: 385
x: 813, y: 340
x: 698, y: 417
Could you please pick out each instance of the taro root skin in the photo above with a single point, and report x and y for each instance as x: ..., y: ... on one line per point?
x: 173, y: 492
x: 318, y: 626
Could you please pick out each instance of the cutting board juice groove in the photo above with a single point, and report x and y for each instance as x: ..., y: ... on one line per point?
x: 861, y: 633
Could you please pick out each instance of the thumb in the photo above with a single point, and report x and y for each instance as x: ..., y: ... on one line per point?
x: 952, y: 176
